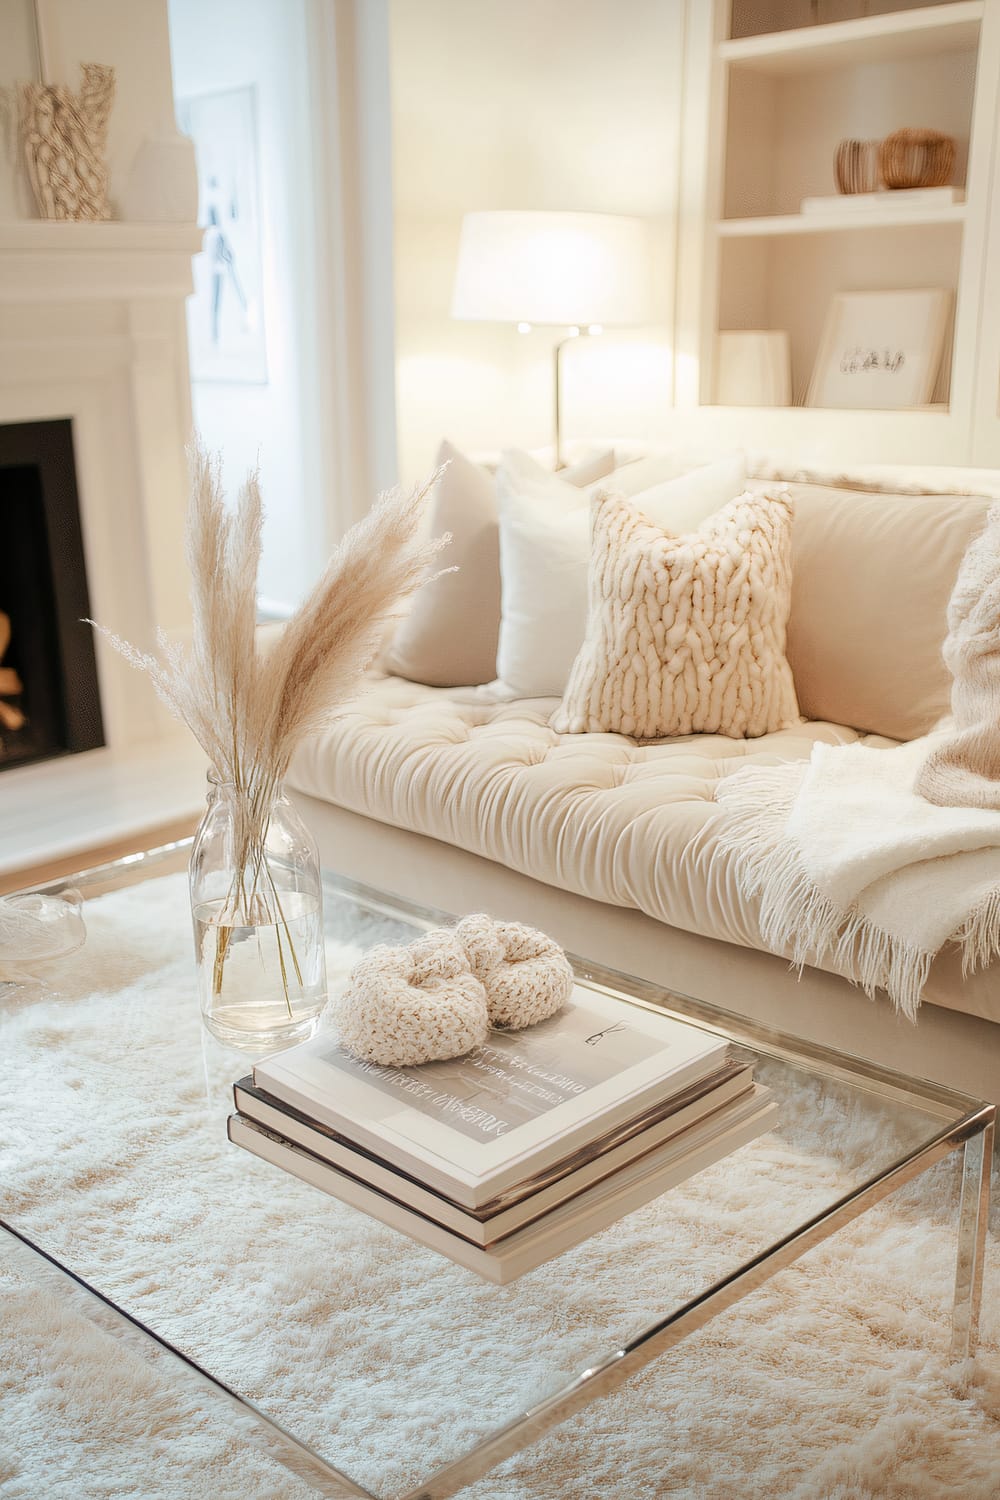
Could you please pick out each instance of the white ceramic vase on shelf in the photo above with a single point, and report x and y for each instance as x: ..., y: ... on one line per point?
x: 753, y: 368
x: 162, y: 183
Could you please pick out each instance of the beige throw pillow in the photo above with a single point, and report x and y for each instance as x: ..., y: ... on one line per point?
x: 686, y: 634
x: 872, y: 575
x: 449, y: 637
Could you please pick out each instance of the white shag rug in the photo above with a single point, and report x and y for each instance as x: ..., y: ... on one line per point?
x: 830, y: 1383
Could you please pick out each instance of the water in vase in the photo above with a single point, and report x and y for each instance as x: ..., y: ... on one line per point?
x: 262, y: 985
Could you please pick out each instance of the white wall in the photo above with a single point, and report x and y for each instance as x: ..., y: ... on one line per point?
x: 18, y: 64
x: 227, y: 44
x: 349, y: 57
x: 527, y: 104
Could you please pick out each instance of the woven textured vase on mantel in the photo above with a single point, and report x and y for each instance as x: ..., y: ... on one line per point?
x: 64, y: 135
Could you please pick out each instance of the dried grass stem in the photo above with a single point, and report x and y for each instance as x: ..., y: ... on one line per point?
x: 249, y: 710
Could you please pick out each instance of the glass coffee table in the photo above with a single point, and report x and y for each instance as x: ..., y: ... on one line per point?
x: 355, y: 1358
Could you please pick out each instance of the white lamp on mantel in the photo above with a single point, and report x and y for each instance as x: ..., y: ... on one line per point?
x: 582, y: 272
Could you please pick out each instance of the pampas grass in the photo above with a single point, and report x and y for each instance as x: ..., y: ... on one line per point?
x: 249, y: 712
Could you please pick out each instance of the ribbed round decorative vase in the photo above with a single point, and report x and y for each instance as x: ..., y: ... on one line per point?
x: 257, y: 905
x: 916, y: 159
x: 855, y: 166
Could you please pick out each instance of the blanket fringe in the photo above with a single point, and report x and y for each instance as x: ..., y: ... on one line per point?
x: 979, y: 935
x: 797, y: 919
x: 876, y: 960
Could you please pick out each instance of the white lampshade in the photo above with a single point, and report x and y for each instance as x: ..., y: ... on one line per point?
x: 533, y: 267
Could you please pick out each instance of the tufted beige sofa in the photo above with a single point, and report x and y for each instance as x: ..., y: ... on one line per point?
x: 451, y: 798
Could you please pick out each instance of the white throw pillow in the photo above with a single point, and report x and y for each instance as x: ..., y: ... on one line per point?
x: 448, y: 637
x: 545, y: 549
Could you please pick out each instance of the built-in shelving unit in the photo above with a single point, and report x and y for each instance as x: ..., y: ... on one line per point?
x: 847, y: 221
x: 893, y: 37
x: 777, y: 95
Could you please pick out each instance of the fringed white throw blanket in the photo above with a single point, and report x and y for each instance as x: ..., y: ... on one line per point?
x: 875, y: 859
x: 853, y: 867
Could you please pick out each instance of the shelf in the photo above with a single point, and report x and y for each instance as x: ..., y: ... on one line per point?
x: 833, y: 437
x: 47, y: 259
x: 912, y: 33
x: 838, y: 223
x: 70, y: 236
x: 79, y: 809
x: 932, y: 409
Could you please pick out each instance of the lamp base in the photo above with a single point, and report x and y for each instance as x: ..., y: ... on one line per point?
x: 574, y: 333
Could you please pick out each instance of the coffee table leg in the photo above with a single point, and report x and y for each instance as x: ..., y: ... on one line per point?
x: 972, y: 1216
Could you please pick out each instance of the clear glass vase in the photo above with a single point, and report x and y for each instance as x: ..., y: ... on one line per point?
x: 257, y: 905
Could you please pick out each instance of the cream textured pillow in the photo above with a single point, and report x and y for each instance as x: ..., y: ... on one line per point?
x: 686, y: 634
x: 545, y: 549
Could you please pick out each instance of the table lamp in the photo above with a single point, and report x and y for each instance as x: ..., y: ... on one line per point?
x: 582, y: 272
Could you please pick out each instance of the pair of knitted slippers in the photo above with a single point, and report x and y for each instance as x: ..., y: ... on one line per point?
x: 440, y: 995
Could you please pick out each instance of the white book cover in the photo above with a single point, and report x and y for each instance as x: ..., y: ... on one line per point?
x: 570, y: 1224
x: 935, y: 197
x: 474, y: 1126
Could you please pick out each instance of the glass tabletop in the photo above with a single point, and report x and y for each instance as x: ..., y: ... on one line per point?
x: 354, y: 1351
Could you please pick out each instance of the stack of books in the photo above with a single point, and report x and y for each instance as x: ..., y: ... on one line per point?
x: 507, y: 1157
x: 890, y: 198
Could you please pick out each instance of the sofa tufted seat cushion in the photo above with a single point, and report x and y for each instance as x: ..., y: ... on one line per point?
x: 629, y: 824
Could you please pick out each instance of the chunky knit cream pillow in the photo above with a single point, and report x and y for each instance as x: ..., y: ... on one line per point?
x: 686, y: 634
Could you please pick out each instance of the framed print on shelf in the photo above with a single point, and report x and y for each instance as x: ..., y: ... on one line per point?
x: 881, y: 351
x: 226, y: 311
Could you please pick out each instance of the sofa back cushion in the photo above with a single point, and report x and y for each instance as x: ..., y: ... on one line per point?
x: 871, y: 577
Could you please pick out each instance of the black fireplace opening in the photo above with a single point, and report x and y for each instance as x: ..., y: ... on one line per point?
x: 49, y: 695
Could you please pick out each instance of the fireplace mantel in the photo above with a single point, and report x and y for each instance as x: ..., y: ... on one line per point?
x: 92, y: 328
x: 99, y: 260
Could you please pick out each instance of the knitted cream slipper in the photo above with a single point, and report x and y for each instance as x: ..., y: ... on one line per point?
x: 414, y: 1004
x: 438, y: 996
x: 526, y: 975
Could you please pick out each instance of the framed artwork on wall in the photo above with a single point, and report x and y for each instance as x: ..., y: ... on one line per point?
x: 226, y: 311
x: 881, y: 350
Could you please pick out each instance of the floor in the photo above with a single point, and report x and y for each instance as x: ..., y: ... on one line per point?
x: 63, y: 815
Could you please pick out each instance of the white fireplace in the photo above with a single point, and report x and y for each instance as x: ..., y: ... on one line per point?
x: 92, y: 330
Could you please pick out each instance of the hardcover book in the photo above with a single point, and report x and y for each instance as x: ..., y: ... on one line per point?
x: 891, y: 198
x: 538, y: 1194
x: 474, y: 1127
x: 734, y: 1125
